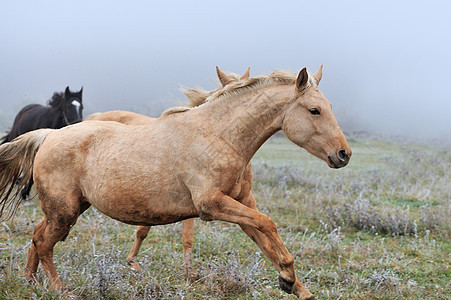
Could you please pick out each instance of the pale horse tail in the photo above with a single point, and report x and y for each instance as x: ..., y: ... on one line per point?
x: 16, y: 160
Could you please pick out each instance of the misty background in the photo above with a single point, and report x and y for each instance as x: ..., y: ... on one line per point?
x: 386, y: 63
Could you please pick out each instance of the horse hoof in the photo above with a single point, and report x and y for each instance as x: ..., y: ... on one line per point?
x: 286, y: 285
x: 134, y: 265
x: 69, y: 295
x: 192, y: 277
x: 31, y: 279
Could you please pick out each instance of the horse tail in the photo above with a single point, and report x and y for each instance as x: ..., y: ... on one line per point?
x: 16, y: 160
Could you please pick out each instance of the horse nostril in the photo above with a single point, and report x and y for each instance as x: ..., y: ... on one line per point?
x: 342, y: 155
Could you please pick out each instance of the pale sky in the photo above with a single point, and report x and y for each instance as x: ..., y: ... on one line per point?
x: 386, y: 63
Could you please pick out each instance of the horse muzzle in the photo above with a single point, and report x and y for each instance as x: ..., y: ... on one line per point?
x: 339, y: 159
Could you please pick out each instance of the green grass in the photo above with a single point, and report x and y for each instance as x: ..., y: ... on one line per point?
x: 377, y: 229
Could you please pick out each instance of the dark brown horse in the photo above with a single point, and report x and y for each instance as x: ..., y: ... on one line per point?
x: 63, y: 109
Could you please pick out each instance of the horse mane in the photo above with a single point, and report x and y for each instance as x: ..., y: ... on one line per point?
x: 278, y: 77
x: 199, y: 97
x: 196, y: 97
x: 57, y: 100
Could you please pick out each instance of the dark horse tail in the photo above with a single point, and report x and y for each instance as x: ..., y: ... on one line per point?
x: 16, y: 160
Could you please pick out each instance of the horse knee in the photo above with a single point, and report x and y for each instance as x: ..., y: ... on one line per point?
x: 286, y: 261
x: 267, y: 225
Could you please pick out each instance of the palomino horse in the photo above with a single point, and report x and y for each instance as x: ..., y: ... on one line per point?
x: 196, y: 98
x: 62, y: 110
x: 188, y: 163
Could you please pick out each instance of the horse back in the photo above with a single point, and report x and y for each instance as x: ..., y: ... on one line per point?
x: 124, y: 117
x: 31, y: 117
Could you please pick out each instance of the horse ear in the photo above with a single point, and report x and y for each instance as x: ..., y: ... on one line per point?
x: 302, y: 79
x: 223, y: 78
x: 318, y: 74
x: 81, y: 91
x: 67, y: 91
x: 246, y: 74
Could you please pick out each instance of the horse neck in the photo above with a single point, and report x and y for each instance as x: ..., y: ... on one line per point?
x: 55, y: 117
x: 246, y: 121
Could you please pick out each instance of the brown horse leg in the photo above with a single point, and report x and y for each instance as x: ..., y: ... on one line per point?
x: 60, y: 214
x: 33, y: 259
x: 187, y: 242
x: 141, y: 234
x: 83, y: 207
x: 265, y: 245
x: 264, y: 230
x: 260, y: 239
x: 46, y: 235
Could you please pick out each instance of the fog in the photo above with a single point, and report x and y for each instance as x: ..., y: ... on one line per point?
x: 386, y: 64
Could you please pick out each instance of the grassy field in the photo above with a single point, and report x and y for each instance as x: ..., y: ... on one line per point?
x: 377, y: 229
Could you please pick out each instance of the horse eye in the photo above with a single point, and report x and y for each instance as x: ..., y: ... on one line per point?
x: 314, y: 111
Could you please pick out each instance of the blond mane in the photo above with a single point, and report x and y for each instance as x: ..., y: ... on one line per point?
x: 196, y: 97
x: 278, y: 77
x: 199, y: 97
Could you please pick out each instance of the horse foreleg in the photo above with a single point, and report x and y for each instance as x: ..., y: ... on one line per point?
x: 264, y: 231
x: 260, y: 239
x: 265, y: 245
x: 141, y: 234
x: 187, y: 242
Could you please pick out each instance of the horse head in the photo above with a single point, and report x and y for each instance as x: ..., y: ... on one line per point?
x: 72, y: 106
x: 311, y: 124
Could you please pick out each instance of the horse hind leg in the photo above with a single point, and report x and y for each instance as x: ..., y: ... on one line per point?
x: 83, y: 207
x: 187, y: 242
x: 59, y: 218
x: 141, y: 234
x: 33, y: 259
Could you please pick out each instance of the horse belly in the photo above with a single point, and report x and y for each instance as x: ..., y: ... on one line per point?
x: 150, y: 218
x: 143, y: 206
